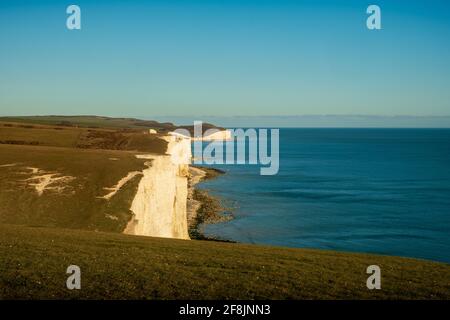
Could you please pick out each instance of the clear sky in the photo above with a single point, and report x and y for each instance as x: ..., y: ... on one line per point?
x: 225, y: 58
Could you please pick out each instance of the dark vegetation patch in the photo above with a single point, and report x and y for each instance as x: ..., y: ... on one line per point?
x: 20, y: 142
x: 121, y: 140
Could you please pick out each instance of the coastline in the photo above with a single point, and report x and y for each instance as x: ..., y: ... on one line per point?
x: 202, y: 207
x: 91, y: 235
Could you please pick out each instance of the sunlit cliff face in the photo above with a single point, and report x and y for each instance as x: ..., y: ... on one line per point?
x: 160, y: 205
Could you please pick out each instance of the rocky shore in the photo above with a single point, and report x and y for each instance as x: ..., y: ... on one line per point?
x: 202, y: 208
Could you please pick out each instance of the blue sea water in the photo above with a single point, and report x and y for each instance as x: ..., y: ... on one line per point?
x: 384, y: 191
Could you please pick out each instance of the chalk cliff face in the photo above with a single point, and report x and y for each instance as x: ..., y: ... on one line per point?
x: 224, y: 135
x: 160, y: 204
x: 159, y: 207
x: 179, y: 148
x: 215, y: 135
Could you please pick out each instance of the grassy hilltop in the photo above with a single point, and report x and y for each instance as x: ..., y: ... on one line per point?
x: 54, y: 175
x: 96, y: 122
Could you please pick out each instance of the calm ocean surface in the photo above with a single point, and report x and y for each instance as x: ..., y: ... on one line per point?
x: 381, y: 191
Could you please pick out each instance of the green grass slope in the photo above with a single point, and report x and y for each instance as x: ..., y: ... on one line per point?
x: 74, y: 203
x: 33, y: 263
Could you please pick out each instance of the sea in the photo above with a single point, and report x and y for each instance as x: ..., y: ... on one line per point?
x: 383, y: 191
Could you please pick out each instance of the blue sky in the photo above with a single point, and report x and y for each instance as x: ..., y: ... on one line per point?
x: 225, y: 58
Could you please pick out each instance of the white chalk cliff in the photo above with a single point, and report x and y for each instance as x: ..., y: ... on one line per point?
x: 214, y: 135
x: 159, y: 207
x: 160, y: 204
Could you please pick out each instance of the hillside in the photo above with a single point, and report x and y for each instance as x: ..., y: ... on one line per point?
x: 33, y: 264
x: 62, y: 187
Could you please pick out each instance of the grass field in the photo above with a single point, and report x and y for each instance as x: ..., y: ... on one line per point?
x: 81, y: 138
x: 70, y: 203
x: 91, y: 122
x: 33, y: 264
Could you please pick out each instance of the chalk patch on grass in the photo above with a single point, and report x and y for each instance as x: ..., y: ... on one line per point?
x: 8, y: 165
x: 50, y: 181
x: 120, y: 184
x: 111, y: 217
x: 33, y: 170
